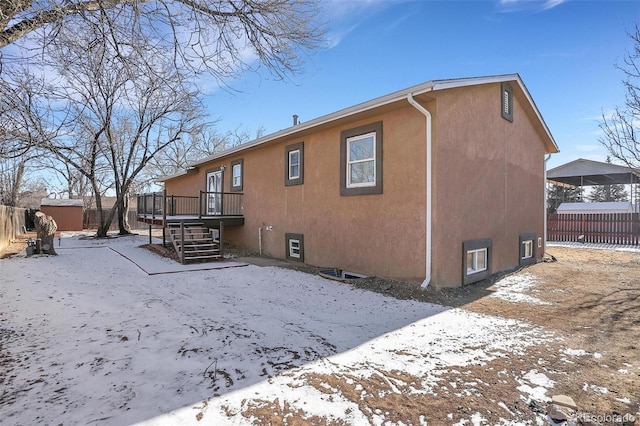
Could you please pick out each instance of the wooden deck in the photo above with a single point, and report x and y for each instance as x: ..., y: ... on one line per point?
x: 212, y: 221
x: 208, y: 208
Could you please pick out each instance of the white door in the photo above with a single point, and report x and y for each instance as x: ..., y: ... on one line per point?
x: 214, y: 192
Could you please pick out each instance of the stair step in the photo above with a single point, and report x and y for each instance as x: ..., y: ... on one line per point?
x: 198, y: 244
x: 201, y: 244
x: 215, y: 256
x: 195, y: 252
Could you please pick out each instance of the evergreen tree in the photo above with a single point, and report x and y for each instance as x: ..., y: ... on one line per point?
x: 557, y: 195
x: 603, y: 193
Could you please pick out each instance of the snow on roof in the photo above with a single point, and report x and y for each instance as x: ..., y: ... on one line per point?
x: 604, y: 207
x: 58, y: 202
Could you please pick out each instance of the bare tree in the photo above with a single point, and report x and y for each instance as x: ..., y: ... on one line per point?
x: 622, y: 127
x: 11, y: 180
x: 221, y: 37
x: 25, y: 113
x: 25, y: 124
x: 196, y: 146
x: 125, y: 105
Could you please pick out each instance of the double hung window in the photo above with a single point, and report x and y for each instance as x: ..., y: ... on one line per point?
x: 361, y: 160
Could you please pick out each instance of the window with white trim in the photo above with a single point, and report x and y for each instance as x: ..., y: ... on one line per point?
x: 294, y: 164
x: 361, y: 160
x: 527, y: 249
x: 236, y: 175
x: 294, y: 246
x: 476, y: 261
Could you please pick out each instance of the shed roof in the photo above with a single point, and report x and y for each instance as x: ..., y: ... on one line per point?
x: 401, y: 95
x: 60, y: 202
x: 582, y: 172
x: 604, y: 207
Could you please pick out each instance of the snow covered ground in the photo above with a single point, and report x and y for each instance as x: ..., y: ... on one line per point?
x: 95, y: 339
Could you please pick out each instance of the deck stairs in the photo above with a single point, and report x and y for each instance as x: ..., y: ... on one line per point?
x: 194, y: 242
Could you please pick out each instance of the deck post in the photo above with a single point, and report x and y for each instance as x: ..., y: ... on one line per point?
x: 144, y: 205
x: 164, y: 214
x: 200, y: 206
x: 221, y: 232
x: 149, y: 233
x: 153, y: 205
x: 182, y: 242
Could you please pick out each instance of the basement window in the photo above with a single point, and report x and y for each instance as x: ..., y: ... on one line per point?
x: 294, y: 164
x: 527, y: 249
x: 295, y: 247
x: 236, y: 175
x: 507, y: 102
x: 361, y: 160
x: 476, y: 260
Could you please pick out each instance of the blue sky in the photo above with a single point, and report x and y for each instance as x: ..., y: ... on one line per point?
x: 564, y: 50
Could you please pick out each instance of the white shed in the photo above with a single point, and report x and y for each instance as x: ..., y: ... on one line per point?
x: 592, y: 208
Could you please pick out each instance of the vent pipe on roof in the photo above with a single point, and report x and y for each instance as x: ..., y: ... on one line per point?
x: 295, y: 119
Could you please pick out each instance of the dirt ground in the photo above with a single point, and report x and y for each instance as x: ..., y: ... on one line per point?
x: 589, y: 300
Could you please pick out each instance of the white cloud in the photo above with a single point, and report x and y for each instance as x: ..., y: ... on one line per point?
x: 527, y: 5
x: 343, y: 17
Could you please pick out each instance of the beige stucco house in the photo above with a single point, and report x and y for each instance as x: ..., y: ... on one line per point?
x: 441, y: 183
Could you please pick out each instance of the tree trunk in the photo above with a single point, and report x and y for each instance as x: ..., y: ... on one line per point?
x: 46, y: 231
x: 123, y: 220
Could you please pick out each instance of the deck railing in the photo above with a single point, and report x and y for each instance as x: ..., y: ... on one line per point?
x: 609, y: 228
x: 160, y: 205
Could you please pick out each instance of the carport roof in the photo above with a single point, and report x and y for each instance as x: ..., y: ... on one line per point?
x: 583, y: 172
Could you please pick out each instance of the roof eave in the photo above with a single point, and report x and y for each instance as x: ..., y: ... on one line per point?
x: 433, y: 85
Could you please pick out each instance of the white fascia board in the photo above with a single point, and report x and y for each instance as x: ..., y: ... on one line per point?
x: 375, y: 103
x: 365, y: 106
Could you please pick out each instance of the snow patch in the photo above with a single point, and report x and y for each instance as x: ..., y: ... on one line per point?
x: 575, y: 352
x: 514, y: 288
x: 118, y: 346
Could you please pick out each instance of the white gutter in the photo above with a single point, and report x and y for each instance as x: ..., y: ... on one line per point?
x: 546, y: 207
x: 427, y: 114
x: 400, y: 95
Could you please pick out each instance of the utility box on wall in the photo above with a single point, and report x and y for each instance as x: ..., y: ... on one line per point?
x: 67, y: 213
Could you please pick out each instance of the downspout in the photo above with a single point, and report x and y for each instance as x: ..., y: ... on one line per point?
x: 546, y: 206
x: 427, y: 114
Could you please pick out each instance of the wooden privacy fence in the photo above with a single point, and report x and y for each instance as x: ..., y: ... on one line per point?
x: 91, y: 220
x: 609, y: 228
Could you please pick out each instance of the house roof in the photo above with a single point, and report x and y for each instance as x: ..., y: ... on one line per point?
x: 60, y: 202
x: 604, y: 207
x: 401, y: 95
x: 582, y: 172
